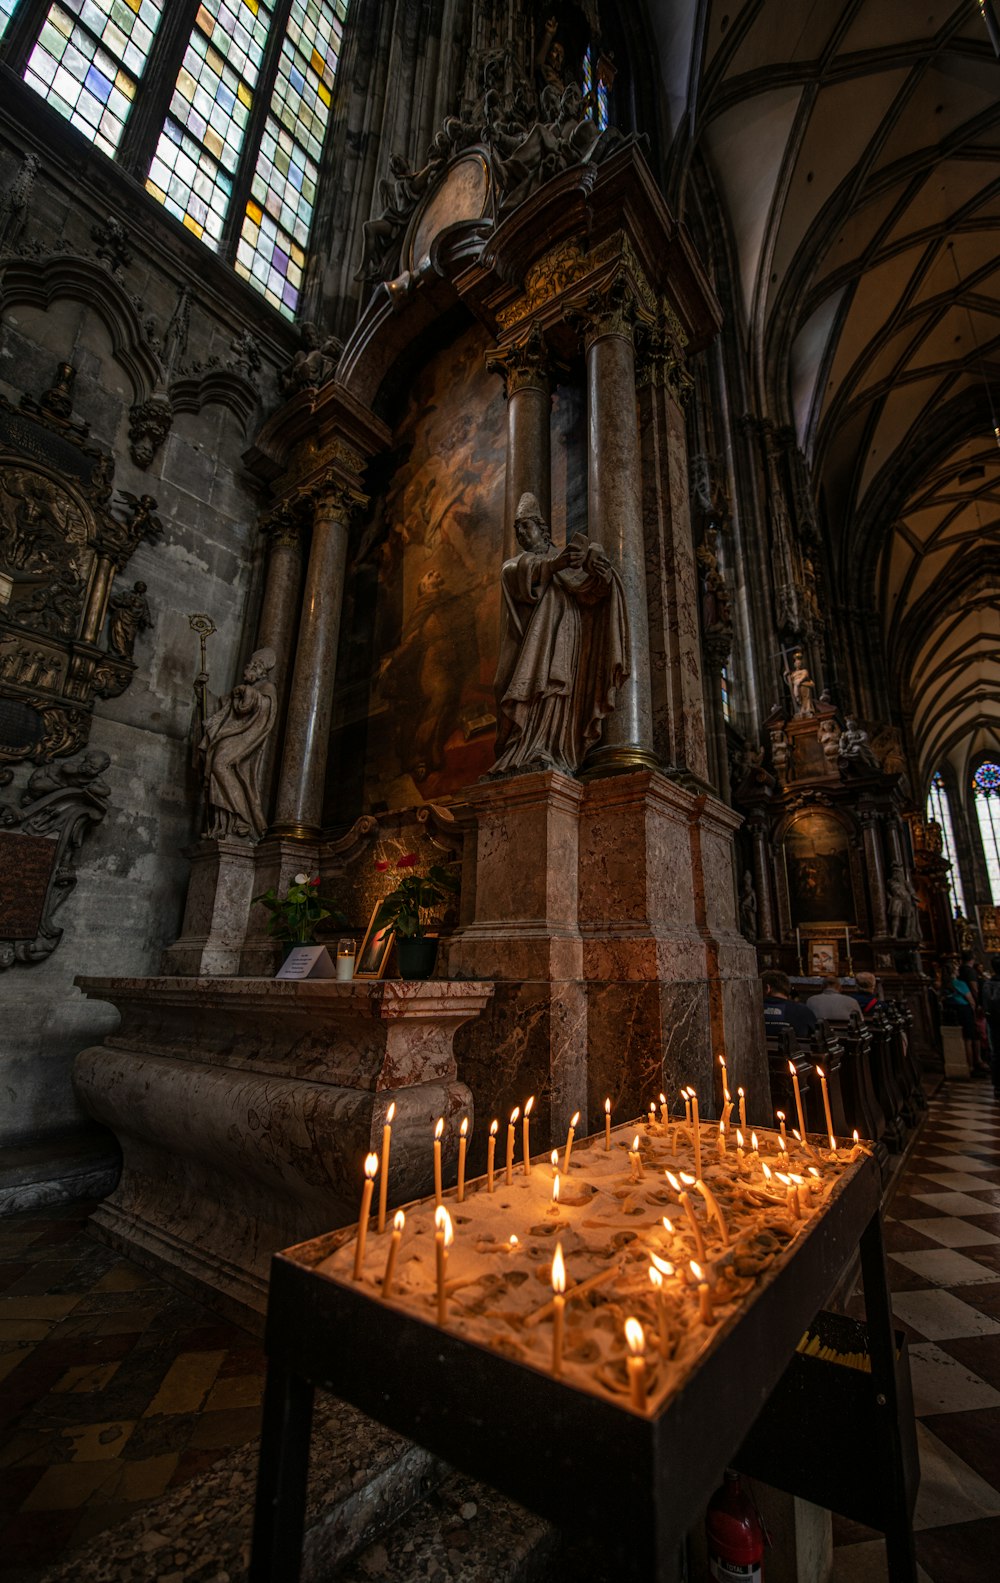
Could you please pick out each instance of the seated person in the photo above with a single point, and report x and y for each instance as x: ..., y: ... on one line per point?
x: 866, y: 993
x: 778, y: 1007
x: 832, y: 1002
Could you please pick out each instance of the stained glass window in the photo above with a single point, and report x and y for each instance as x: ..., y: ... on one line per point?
x: 196, y: 159
x: 986, y: 796
x: 6, y: 12
x: 88, y: 60
x: 726, y: 704
x: 599, y: 109
x: 938, y: 809
x: 271, y: 250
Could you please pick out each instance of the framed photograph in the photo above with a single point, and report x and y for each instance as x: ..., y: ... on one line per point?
x: 823, y: 957
x: 375, y: 947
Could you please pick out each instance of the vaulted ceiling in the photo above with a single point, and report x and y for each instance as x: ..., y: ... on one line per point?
x: 855, y: 146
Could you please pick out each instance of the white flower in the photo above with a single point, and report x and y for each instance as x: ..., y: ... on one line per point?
x: 302, y: 879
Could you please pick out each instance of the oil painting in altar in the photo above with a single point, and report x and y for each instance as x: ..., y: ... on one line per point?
x: 818, y: 864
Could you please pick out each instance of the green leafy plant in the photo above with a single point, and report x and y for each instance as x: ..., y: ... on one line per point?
x: 414, y: 894
x: 295, y: 915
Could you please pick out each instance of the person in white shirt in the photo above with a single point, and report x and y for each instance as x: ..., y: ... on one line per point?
x: 831, y: 1002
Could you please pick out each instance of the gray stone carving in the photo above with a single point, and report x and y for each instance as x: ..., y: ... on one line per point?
x: 563, y: 648
x: 748, y: 908
x: 781, y: 753
x: 314, y: 363
x: 15, y: 204
x: 801, y: 686
x: 231, y: 750
x: 149, y: 425
x: 112, y: 244
x: 130, y: 615
x: 902, y: 909
x: 829, y: 735
x: 855, y: 753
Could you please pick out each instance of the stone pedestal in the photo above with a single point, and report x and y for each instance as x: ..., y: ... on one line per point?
x: 244, y: 1109
x: 220, y: 889
x: 607, y: 914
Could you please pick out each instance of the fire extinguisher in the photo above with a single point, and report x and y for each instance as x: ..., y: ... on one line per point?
x: 736, y: 1536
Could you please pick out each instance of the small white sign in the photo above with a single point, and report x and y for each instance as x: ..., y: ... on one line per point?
x: 307, y: 961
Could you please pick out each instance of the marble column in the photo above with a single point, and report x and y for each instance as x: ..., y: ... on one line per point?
x: 282, y: 529
x: 524, y: 366
x: 299, y: 806
x: 766, y: 928
x: 875, y: 868
x: 614, y: 515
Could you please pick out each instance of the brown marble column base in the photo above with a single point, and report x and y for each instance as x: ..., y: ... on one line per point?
x: 245, y: 1108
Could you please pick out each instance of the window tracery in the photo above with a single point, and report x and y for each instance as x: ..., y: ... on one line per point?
x: 986, y: 797
x: 939, y: 809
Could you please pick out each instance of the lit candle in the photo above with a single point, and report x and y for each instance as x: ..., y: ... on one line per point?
x: 791, y: 1196
x: 554, y: 1157
x: 743, y: 1108
x: 525, y: 1125
x: 712, y: 1205
x: 696, y: 1134
x: 797, y: 1182
x: 510, y: 1143
x: 705, y: 1313
x: 443, y: 1239
x: 437, y: 1159
x: 558, y: 1307
x: 569, y: 1140
x: 371, y: 1167
x: 725, y: 1077
x: 663, y: 1339
x: 635, y: 1161
x: 754, y: 1150
x: 463, y: 1139
x: 740, y: 1157
x: 555, y: 1194
x: 664, y: 1110
x: 858, y: 1149
x: 722, y: 1141
x: 490, y: 1152
x: 782, y: 1153
x: 383, y: 1185
x: 652, y: 1113
x: 636, y: 1364
x: 686, y: 1096
x: 684, y: 1200
x: 728, y: 1110
x: 795, y: 1083
x: 781, y: 1123
x: 826, y: 1107
x: 399, y: 1221
x: 607, y: 1125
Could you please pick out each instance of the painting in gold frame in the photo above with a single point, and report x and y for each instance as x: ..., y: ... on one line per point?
x: 371, y: 959
x: 823, y: 958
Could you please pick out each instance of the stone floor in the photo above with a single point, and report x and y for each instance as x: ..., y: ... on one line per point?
x: 124, y: 1405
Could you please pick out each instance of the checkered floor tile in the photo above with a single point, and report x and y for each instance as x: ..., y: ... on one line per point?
x: 943, y: 1241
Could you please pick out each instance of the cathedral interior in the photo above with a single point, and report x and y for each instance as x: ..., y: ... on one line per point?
x: 498, y: 495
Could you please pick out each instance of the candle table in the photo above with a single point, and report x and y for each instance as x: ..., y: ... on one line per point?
x: 731, y: 1388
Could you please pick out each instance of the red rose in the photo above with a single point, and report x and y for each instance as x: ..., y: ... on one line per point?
x: 314, y: 881
x: 409, y: 861
x: 380, y: 868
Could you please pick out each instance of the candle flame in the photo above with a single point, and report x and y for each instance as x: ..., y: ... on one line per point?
x: 663, y: 1099
x: 688, y: 1181
x: 513, y: 1240
x: 833, y: 1144
x: 855, y: 1135
x: 813, y: 1172
x: 442, y: 1220
x: 727, y: 1096
x: 668, y: 1225
x: 439, y: 1128
x: 464, y: 1129
x: 797, y: 1134
x: 739, y: 1137
x: 558, y: 1270
x: 635, y: 1144
x: 655, y: 1277
x: 792, y: 1068
x: 722, y: 1128
x: 390, y: 1113
x: 798, y: 1180
x: 697, y: 1271
x: 514, y: 1114
x: 782, y: 1146
x: 635, y: 1337
x: 722, y: 1062
x: 671, y: 1178
x: 493, y: 1128
x: 398, y: 1220
x: 741, y: 1093
x: 753, y: 1142
x: 820, y: 1072
x: 554, y: 1157
x: 607, y: 1107
x: 527, y: 1108
x: 766, y: 1170
x: 574, y: 1118
x: 782, y: 1178
x: 371, y: 1165
x: 664, y: 1266
x: 780, y: 1115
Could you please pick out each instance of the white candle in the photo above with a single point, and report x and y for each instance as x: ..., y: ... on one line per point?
x: 826, y: 1107
x: 383, y: 1185
x: 781, y: 1123
x: 510, y: 1143
x: 558, y: 1308
x: 664, y: 1110
x: 437, y: 1159
x: 569, y: 1140
x: 636, y: 1364
x: 607, y: 1125
x: 399, y: 1221
x: 525, y: 1128
x: 491, y: 1150
x: 371, y: 1167
x: 743, y: 1108
x: 443, y: 1239
x: 463, y: 1139
x: 705, y: 1313
x: 798, y: 1098
x: 663, y: 1338
x: 696, y: 1125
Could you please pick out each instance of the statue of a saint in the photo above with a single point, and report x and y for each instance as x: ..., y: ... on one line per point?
x: 563, y: 648
x: 748, y: 908
x: 903, y: 918
x: 781, y: 753
x: 856, y: 755
x: 801, y: 686
x: 232, y: 746
x: 130, y: 615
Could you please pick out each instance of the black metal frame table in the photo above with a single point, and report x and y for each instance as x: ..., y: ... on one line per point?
x: 634, y: 1482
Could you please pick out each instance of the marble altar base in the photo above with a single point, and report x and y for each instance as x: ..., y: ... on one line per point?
x: 245, y: 1108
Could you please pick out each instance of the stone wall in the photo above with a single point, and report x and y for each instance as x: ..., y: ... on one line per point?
x: 128, y: 901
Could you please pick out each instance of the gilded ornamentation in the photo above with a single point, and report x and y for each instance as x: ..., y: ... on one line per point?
x: 337, y: 501
x: 522, y: 364
x: 662, y: 355
x: 130, y: 615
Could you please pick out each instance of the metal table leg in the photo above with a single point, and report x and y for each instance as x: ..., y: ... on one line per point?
x: 280, y: 1510
x: 898, y: 1528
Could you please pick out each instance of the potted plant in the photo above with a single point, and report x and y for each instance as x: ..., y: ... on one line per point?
x: 295, y: 915
x: 403, y: 909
